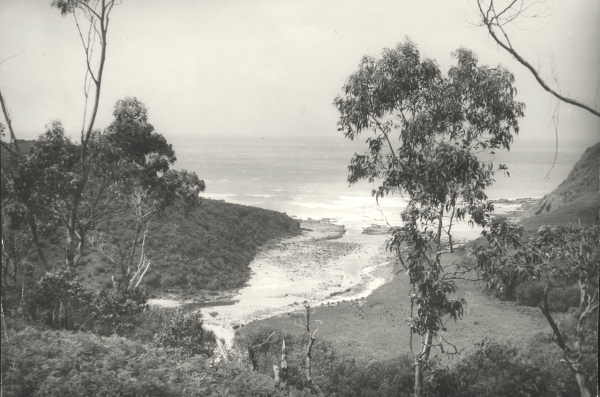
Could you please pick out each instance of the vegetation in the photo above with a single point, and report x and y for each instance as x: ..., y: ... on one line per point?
x: 59, y: 363
x: 424, y: 132
x: 491, y: 369
x: 210, y: 245
x: 91, y: 227
x: 557, y: 256
x: 576, y: 199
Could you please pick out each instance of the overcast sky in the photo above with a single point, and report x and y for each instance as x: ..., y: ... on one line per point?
x: 272, y: 67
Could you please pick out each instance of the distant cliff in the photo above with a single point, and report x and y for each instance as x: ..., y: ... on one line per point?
x: 576, y: 199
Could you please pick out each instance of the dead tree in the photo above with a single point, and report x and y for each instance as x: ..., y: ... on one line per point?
x: 280, y: 372
x: 310, y: 341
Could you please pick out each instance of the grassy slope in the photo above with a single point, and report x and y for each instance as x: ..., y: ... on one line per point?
x: 576, y: 199
x: 208, y: 247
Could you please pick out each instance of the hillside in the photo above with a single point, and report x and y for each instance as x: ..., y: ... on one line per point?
x: 207, y: 247
x: 576, y: 199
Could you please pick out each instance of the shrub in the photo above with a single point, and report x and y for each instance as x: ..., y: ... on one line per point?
x: 529, y: 293
x: 560, y: 299
x: 114, y: 310
x: 59, y: 363
x: 184, y: 331
x: 45, y: 363
x: 493, y: 370
x: 335, y: 375
x: 59, y: 300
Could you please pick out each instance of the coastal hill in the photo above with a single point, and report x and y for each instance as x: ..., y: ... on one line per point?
x: 208, y: 247
x: 576, y: 199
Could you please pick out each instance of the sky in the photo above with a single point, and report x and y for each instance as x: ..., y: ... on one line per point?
x: 271, y: 68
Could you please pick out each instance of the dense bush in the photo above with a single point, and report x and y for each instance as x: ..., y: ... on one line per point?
x: 114, y: 310
x: 493, y: 370
x: 208, y: 246
x: 529, y: 293
x: 335, y: 375
x: 560, y: 299
x: 62, y: 364
x: 184, y: 331
x: 59, y: 300
x: 497, y: 370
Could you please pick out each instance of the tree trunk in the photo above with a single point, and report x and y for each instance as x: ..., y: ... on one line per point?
x: 36, y: 241
x: 283, y: 369
x: 418, y: 377
x: 71, y: 247
x: 420, y: 359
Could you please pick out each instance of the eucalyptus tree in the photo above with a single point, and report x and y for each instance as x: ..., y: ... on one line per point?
x: 554, y: 256
x: 92, y: 20
x: 140, y: 161
x: 424, y: 130
x: 130, y: 178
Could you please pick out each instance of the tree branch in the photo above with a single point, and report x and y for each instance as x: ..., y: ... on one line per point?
x: 9, y: 123
x: 494, y: 21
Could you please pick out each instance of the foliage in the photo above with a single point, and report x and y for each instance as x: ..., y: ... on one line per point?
x: 50, y: 363
x: 500, y: 274
x: 493, y: 370
x: 529, y: 293
x: 555, y: 256
x: 59, y: 300
x: 560, y: 299
x: 114, y: 310
x: 184, y: 331
x: 424, y: 132
x: 207, y: 246
x: 335, y: 375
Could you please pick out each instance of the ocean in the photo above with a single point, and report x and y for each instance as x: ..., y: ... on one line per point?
x: 306, y: 177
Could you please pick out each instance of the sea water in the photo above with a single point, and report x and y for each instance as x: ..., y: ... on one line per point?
x: 307, y: 177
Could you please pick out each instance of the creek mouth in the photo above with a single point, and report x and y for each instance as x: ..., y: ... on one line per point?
x: 325, y: 264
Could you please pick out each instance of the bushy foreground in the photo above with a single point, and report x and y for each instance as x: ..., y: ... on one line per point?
x: 492, y: 369
x: 63, y: 364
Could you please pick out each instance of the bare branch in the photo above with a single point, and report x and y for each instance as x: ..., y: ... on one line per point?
x: 86, y: 47
x: 492, y: 20
x: 13, y: 138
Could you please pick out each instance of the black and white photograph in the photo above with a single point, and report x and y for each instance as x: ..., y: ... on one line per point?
x: 299, y: 198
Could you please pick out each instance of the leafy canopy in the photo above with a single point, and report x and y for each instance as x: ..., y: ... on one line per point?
x: 424, y: 130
